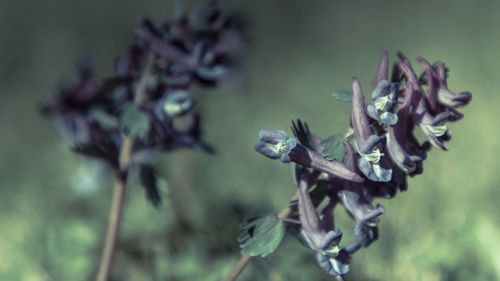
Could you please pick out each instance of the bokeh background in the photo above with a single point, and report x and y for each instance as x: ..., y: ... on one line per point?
x: 54, y: 204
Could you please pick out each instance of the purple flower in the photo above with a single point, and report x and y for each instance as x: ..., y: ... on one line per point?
x: 439, y: 96
x: 357, y: 202
x: 174, y: 104
x: 318, y: 232
x: 383, y: 107
x: 400, y: 140
x: 371, y: 163
x: 276, y: 144
x: 434, y: 127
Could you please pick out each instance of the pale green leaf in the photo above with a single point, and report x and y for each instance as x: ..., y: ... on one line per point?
x: 134, y: 122
x: 334, y: 148
x: 261, y: 236
x: 343, y: 94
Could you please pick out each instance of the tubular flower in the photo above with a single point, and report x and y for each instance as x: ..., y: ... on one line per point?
x: 371, y: 162
x: 275, y: 144
x: 384, y: 103
x: 318, y: 232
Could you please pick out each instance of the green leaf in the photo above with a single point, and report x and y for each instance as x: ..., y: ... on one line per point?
x: 343, y: 94
x: 261, y: 236
x: 133, y: 122
x: 334, y: 148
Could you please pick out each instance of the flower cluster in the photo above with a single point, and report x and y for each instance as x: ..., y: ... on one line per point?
x: 376, y: 163
x: 149, y: 97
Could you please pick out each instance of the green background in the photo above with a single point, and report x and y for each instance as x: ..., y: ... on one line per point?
x: 53, y: 206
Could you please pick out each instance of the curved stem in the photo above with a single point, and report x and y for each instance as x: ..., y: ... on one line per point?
x: 238, y: 268
x: 118, y: 201
x: 243, y: 261
x: 115, y: 216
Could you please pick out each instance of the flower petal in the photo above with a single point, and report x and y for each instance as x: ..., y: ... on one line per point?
x: 306, y: 157
x: 449, y: 99
x: 360, y: 122
x: 331, y: 265
x: 309, y: 219
x: 389, y: 118
x: 383, y: 69
x: 272, y: 143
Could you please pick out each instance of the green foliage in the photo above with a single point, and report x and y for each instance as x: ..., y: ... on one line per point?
x: 343, y: 94
x: 133, y: 122
x: 261, y: 235
x: 334, y: 148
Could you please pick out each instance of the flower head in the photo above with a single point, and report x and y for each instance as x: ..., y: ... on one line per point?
x: 384, y: 105
x: 275, y: 144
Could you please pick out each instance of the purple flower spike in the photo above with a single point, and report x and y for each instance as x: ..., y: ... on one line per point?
x: 384, y: 152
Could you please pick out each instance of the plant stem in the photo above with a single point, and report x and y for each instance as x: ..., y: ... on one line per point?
x: 119, y: 191
x: 237, y: 268
x: 243, y: 261
x: 115, y: 216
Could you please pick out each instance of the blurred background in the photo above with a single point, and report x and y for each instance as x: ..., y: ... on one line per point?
x: 54, y: 204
